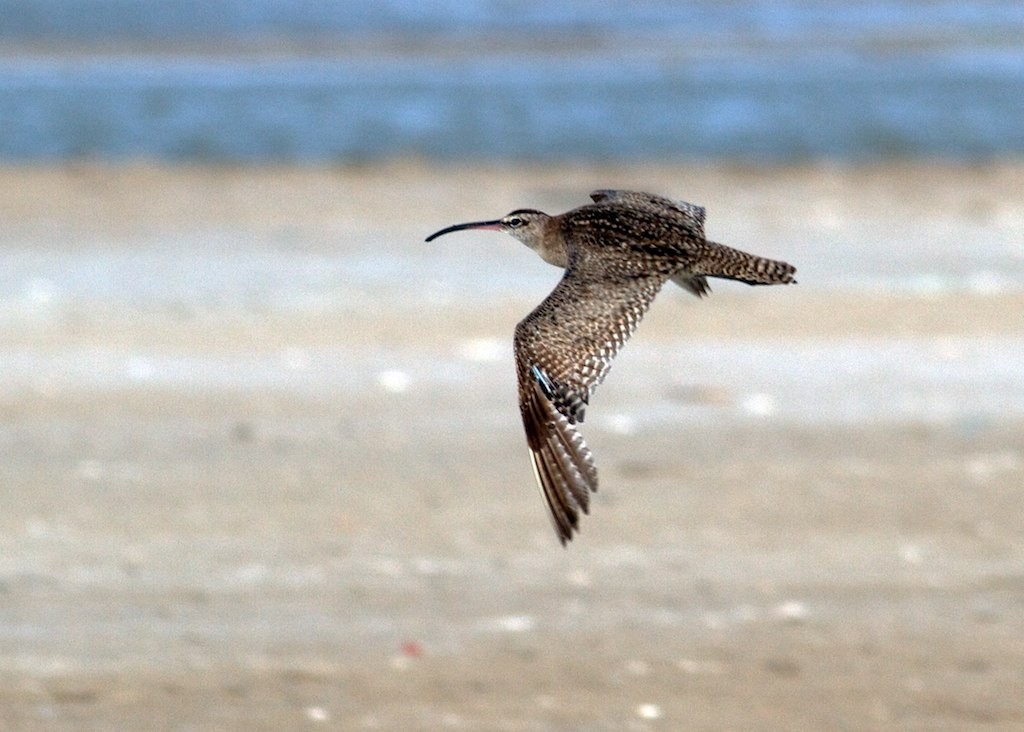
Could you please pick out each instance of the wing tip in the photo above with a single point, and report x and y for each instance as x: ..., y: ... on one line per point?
x: 562, y: 463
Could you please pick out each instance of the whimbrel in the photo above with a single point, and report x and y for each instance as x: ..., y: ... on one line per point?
x: 617, y: 253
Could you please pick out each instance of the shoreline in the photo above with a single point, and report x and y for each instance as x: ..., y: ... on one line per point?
x: 228, y: 511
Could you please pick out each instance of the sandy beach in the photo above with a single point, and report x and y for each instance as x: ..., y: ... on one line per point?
x: 263, y: 469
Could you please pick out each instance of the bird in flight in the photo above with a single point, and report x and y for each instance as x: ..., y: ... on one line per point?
x: 616, y: 254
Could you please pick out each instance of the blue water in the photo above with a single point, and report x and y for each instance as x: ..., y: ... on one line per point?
x: 286, y: 81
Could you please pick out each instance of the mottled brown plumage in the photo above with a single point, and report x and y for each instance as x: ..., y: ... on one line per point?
x: 617, y: 253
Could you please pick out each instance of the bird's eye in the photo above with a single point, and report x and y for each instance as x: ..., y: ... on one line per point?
x: 515, y: 222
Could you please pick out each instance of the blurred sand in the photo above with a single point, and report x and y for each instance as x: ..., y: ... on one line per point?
x: 311, y: 506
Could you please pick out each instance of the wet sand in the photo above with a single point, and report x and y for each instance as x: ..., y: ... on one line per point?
x: 243, y: 494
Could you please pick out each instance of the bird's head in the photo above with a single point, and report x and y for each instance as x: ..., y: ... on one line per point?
x: 525, y: 224
x: 529, y: 226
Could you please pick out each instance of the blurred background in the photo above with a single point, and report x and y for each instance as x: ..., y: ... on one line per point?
x: 261, y: 464
x: 342, y: 82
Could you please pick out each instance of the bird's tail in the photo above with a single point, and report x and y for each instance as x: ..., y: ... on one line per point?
x: 719, y: 260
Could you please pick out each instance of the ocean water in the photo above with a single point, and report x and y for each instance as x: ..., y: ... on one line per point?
x: 312, y: 82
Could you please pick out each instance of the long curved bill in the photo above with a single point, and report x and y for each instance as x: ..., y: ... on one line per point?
x: 496, y: 224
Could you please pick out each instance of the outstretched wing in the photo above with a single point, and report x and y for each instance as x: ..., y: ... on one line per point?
x: 690, y: 213
x: 564, y: 349
x: 562, y: 463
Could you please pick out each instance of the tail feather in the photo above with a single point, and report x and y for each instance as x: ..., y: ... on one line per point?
x: 727, y: 263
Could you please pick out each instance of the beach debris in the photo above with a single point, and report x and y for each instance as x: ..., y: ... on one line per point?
x: 579, y: 578
x: 983, y: 467
x: 511, y: 624
x: 620, y: 424
x: 317, y: 714
x: 482, y: 350
x: 792, y: 611
x: 401, y: 662
x: 694, y: 667
x: 411, y: 649
x: 786, y: 668
x: 296, y: 359
x: 394, y: 381
x: 648, y: 711
x: 243, y: 431
x: 911, y: 554
x: 703, y: 395
x: 759, y: 404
